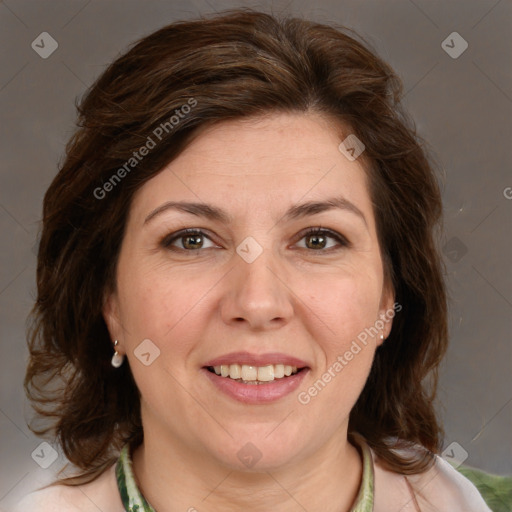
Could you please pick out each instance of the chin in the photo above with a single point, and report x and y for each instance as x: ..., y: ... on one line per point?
x: 259, y: 452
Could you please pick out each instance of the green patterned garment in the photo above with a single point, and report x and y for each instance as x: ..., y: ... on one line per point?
x: 134, y: 501
x: 132, y: 498
x: 496, y: 490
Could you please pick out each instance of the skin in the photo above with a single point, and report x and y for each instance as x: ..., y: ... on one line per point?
x: 307, y: 302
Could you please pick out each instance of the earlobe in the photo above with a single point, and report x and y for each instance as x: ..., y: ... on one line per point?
x: 110, y: 311
x: 381, y: 338
x: 386, y: 313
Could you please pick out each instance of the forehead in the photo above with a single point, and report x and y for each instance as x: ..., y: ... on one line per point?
x: 246, y: 146
x: 261, y: 162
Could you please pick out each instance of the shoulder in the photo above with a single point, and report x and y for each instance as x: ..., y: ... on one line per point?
x: 440, y: 488
x: 444, y: 486
x: 101, y: 494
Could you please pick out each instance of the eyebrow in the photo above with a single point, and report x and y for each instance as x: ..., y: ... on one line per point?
x: 295, y: 212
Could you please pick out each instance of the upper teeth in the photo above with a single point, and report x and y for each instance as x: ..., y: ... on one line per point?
x: 261, y: 373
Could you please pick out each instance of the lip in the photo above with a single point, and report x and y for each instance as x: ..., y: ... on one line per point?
x: 257, y: 359
x: 256, y: 393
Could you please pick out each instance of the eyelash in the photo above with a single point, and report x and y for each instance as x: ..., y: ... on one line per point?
x: 167, y: 241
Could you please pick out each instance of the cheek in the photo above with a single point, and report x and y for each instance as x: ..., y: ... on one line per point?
x: 347, y: 310
x: 167, y: 307
x: 345, y: 306
x: 154, y: 300
x: 168, y: 312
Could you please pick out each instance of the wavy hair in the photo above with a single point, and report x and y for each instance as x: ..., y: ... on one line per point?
x: 237, y: 64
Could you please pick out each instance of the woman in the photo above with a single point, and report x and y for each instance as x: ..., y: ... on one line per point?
x: 239, y: 284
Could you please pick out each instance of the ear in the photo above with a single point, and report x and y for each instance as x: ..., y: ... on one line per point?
x: 387, y: 310
x: 110, y: 311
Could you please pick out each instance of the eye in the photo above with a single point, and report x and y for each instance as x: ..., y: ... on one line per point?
x: 193, y: 240
x: 187, y: 240
x: 317, y: 239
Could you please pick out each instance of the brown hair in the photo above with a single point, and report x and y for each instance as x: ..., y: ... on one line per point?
x: 238, y: 64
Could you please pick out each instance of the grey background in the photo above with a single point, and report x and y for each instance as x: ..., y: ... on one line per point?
x: 461, y: 106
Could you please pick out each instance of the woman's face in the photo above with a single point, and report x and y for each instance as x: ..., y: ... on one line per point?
x: 249, y: 290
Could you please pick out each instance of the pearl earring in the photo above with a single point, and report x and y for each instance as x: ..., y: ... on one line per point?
x: 117, y: 358
x: 382, y: 337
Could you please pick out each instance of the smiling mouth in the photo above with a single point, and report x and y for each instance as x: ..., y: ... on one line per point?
x: 248, y: 374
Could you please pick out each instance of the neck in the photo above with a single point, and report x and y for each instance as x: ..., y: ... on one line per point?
x: 174, y: 477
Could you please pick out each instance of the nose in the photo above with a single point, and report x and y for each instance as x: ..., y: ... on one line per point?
x: 257, y: 295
